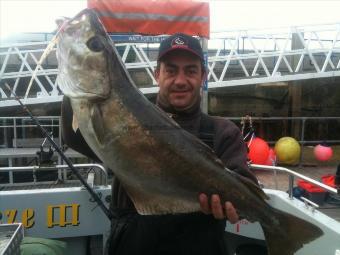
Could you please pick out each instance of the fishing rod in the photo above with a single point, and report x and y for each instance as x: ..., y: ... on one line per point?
x: 94, y: 195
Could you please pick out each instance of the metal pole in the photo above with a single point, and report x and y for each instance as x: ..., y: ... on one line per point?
x: 291, y: 185
x: 302, y: 139
x: 204, y: 102
x: 15, y: 133
x: 60, y: 161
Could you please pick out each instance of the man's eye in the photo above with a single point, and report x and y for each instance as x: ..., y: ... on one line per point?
x: 170, y: 71
x: 192, y: 71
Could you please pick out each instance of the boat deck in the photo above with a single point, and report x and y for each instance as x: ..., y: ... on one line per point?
x: 281, y: 182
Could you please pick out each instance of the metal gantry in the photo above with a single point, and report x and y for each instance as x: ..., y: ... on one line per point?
x: 235, y: 58
x: 296, y: 53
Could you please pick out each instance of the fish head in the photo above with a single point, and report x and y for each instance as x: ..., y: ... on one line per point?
x: 83, y: 50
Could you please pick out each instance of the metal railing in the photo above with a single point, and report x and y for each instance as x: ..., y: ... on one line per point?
x: 291, y: 175
x: 291, y: 179
x: 301, y: 137
x: 62, y: 175
x: 20, y: 127
x: 235, y: 58
x: 21, y: 124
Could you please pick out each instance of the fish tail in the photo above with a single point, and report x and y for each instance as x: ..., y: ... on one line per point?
x: 289, y: 234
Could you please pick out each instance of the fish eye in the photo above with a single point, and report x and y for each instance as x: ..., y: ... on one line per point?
x: 95, y: 44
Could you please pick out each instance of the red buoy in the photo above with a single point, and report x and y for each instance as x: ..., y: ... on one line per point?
x: 258, y: 151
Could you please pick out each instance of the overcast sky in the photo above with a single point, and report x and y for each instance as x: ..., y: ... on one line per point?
x: 39, y: 15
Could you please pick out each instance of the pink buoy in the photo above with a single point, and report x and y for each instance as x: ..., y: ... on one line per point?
x: 258, y: 151
x: 323, y: 152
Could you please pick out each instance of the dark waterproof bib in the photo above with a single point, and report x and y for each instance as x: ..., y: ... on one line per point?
x: 207, y: 130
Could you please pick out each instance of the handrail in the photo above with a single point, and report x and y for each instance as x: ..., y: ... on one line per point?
x: 293, y: 174
x: 303, y: 126
x: 235, y: 52
x: 301, y: 119
x: 56, y: 167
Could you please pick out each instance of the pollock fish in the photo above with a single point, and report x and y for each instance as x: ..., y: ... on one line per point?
x: 162, y: 167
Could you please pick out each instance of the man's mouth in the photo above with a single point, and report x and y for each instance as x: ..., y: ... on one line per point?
x: 180, y: 92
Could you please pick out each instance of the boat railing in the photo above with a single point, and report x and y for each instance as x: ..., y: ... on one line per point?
x: 14, y: 130
x: 99, y: 173
x: 292, y: 175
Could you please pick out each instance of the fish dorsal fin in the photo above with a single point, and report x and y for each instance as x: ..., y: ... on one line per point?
x: 250, y: 185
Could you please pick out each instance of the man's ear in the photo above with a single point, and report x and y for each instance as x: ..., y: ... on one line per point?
x: 156, y: 74
x: 204, y: 76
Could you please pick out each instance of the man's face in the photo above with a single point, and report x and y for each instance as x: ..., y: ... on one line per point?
x: 180, y: 77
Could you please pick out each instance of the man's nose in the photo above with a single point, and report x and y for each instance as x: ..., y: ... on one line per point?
x: 180, y: 78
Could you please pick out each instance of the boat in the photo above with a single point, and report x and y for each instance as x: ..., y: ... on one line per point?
x: 62, y: 209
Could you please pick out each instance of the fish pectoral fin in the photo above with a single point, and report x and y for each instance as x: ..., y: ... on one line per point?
x: 75, y: 125
x: 97, y: 123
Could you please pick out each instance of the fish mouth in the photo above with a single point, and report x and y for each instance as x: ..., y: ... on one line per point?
x: 75, y: 22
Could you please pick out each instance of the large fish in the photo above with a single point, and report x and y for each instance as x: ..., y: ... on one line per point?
x: 162, y: 167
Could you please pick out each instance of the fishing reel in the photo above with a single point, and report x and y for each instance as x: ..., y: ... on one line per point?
x: 44, y: 158
x: 45, y: 155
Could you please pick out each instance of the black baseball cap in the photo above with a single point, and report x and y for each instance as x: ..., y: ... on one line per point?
x: 180, y: 41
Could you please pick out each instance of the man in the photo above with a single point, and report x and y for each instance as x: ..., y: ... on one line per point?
x: 180, y: 74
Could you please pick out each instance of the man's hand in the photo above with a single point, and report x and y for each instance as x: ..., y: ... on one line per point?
x: 218, y: 210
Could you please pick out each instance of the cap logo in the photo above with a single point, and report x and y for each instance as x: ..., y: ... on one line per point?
x: 178, y: 41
